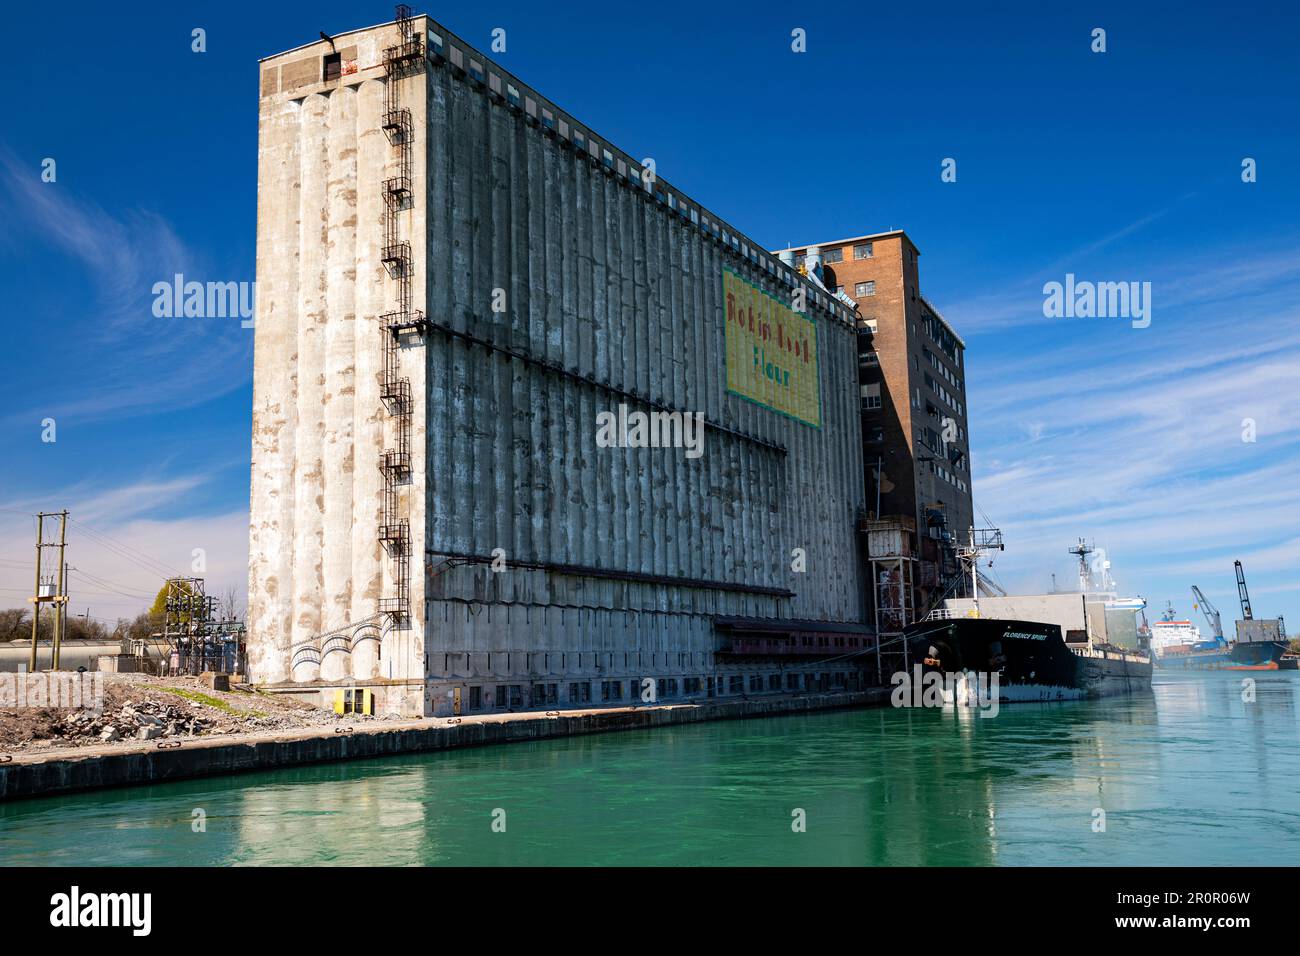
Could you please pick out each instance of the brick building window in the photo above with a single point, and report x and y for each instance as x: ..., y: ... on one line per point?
x: 865, y: 288
x: 833, y: 255
x: 862, y: 251
x: 871, y: 396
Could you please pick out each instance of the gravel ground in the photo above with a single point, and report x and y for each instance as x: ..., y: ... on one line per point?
x: 139, y: 707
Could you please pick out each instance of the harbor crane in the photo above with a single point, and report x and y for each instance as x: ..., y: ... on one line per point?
x: 1242, y: 593
x: 1209, y: 610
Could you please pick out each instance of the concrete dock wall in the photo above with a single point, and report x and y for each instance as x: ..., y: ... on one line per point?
x: 30, y: 775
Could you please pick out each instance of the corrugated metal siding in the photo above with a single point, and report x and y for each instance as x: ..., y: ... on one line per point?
x: 609, y: 284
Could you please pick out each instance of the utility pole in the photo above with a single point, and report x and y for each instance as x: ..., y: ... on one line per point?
x: 59, y: 599
x: 61, y: 609
x: 36, y: 595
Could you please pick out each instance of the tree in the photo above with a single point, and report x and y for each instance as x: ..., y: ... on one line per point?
x: 86, y: 629
x: 14, y: 624
x: 229, y: 607
x: 141, y: 628
x: 158, y: 609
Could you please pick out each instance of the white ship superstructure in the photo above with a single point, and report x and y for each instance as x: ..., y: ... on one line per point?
x: 1170, y: 633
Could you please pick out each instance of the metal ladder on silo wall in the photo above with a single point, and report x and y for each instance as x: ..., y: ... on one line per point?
x: 404, y: 59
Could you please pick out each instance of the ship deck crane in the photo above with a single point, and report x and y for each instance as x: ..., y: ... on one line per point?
x: 1242, y: 593
x: 1210, y: 612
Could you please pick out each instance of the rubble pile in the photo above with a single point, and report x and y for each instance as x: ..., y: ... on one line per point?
x: 139, y: 707
x: 143, y: 720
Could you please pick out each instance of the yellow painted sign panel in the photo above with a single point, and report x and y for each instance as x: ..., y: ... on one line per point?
x: 771, y: 351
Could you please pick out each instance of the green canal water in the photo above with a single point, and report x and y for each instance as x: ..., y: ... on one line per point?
x: 1189, y: 774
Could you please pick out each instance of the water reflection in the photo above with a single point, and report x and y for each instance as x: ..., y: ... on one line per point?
x: 1190, y: 773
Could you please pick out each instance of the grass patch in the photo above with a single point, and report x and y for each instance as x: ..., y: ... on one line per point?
x: 211, y: 702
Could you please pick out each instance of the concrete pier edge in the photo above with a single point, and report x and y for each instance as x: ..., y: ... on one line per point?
x: 31, y: 775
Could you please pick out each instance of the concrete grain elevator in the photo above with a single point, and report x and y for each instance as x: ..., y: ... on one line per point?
x: 458, y: 286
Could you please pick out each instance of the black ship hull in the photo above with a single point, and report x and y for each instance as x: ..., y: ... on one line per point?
x: 1029, y: 658
x: 1256, y: 655
x: 1239, y: 656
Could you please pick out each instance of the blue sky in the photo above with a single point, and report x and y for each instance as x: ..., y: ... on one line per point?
x: 1121, y: 166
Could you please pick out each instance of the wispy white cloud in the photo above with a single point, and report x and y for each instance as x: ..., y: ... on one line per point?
x: 128, y: 361
x: 1135, y: 437
x: 1267, y: 272
x: 1142, y: 449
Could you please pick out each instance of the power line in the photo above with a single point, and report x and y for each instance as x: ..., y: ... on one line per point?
x: 104, y: 535
x: 124, y: 550
x: 112, y: 586
x: 144, y: 562
x: 126, y: 590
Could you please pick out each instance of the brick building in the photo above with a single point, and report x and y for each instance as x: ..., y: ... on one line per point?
x: 915, y: 434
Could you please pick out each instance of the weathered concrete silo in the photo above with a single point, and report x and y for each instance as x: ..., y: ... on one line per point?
x: 467, y: 304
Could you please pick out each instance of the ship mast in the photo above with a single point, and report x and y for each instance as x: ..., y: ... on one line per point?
x: 979, y: 540
x: 1083, y: 549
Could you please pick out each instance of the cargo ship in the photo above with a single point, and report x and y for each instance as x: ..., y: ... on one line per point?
x: 1065, y: 645
x: 1260, y: 645
x: 1031, y: 659
x: 1178, y: 645
x: 1220, y: 655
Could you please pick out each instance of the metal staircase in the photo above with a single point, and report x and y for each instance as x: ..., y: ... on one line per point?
x: 403, y: 60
